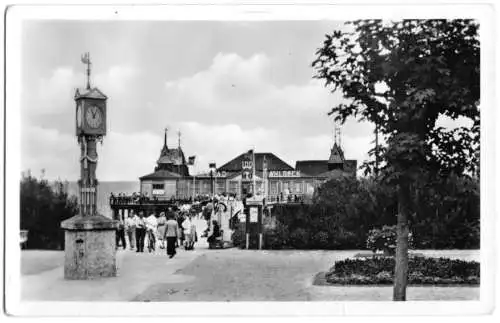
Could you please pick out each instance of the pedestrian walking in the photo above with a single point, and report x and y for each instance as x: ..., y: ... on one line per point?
x: 130, y: 229
x: 171, y: 235
x: 188, y: 237
x: 151, y: 226
x: 162, y: 222
x: 120, y: 234
x: 140, y: 231
x: 180, y: 220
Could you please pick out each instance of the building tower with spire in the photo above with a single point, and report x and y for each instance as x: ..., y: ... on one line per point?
x: 172, y: 159
x: 336, y: 160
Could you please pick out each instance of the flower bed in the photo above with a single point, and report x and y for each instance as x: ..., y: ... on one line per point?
x: 422, y: 271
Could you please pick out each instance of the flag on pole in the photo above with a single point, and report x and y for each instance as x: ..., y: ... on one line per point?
x: 85, y: 58
x: 211, y: 165
x: 191, y: 160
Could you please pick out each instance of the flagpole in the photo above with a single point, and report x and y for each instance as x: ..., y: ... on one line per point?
x: 253, y: 172
x: 194, y: 179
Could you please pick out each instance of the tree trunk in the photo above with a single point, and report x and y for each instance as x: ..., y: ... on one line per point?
x: 401, y: 270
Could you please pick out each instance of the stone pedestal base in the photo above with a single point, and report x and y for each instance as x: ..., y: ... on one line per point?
x: 90, y: 247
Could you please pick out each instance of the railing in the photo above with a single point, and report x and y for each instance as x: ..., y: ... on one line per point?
x: 289, y: 200
x: 116, y: 201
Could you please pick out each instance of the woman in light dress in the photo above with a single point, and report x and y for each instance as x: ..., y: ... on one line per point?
x: 162, y: 222
x: 189, y: 229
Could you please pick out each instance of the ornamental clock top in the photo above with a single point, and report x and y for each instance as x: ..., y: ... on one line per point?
x: 93, y: 93
x: 90, y: 115
x: 90, y: 107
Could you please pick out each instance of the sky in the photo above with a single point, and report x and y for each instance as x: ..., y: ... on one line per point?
x: 226, y: 86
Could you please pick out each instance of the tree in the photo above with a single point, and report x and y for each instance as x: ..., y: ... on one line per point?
x: 43, y: 207
x: 403, y: 76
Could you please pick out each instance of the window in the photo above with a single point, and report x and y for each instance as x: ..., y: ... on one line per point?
x: 220, y: 186
x: 274, y: 188
x: 234, y: 187
x: 158, y: 186
x: 298, y: 187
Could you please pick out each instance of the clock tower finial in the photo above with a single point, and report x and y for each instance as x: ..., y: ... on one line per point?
x: 86, y: 60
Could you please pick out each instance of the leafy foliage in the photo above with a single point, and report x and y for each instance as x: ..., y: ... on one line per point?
x: 43, y: 208
x: 402, y: 76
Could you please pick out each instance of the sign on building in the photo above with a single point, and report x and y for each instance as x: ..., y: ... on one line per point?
x: 158, y: 192
x: 284, y: 173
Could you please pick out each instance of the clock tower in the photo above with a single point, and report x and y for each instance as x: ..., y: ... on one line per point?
x: 90, y: 245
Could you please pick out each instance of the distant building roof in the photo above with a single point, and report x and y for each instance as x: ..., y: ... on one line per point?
x: 312, y: 167
x: 92, y: 93
x: 161, y: 174
x: 336, y: 173
x: 273, y: 163
x: 320, y: 167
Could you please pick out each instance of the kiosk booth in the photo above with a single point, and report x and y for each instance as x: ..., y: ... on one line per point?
x: 253, y: 223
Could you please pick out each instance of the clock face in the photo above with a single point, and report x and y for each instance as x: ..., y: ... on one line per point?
x: 93, y: 116
x: 79, y: 115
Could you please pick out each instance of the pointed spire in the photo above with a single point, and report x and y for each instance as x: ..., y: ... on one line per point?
x: 165, y: 142
x: 179, y: 138
x: 337, y: 136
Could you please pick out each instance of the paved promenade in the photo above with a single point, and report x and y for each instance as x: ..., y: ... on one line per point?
x: 217, y: 275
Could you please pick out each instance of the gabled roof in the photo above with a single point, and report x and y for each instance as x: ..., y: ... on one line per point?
x: 161, y: 174
x: 273, y: 163
x: 312, y: 167
x: 93, y: 93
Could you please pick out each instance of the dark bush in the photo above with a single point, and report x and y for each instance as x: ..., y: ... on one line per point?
x: 277, y: 238
x: 299, y: 238
x: 344, y: 210
x: 320, y: 240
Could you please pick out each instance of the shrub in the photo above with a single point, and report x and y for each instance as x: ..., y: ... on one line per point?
x: 320, y: 240
x: 276, y: 238
x: 422, y: 270
x: 384, y: 239
x: 346, y: 209
x: 299, y: 238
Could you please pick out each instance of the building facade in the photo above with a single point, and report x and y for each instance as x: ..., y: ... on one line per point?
x: 272, y: 177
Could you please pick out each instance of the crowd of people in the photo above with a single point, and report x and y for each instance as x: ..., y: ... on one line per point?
x: 175, y: 228
x: 168, y: 230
